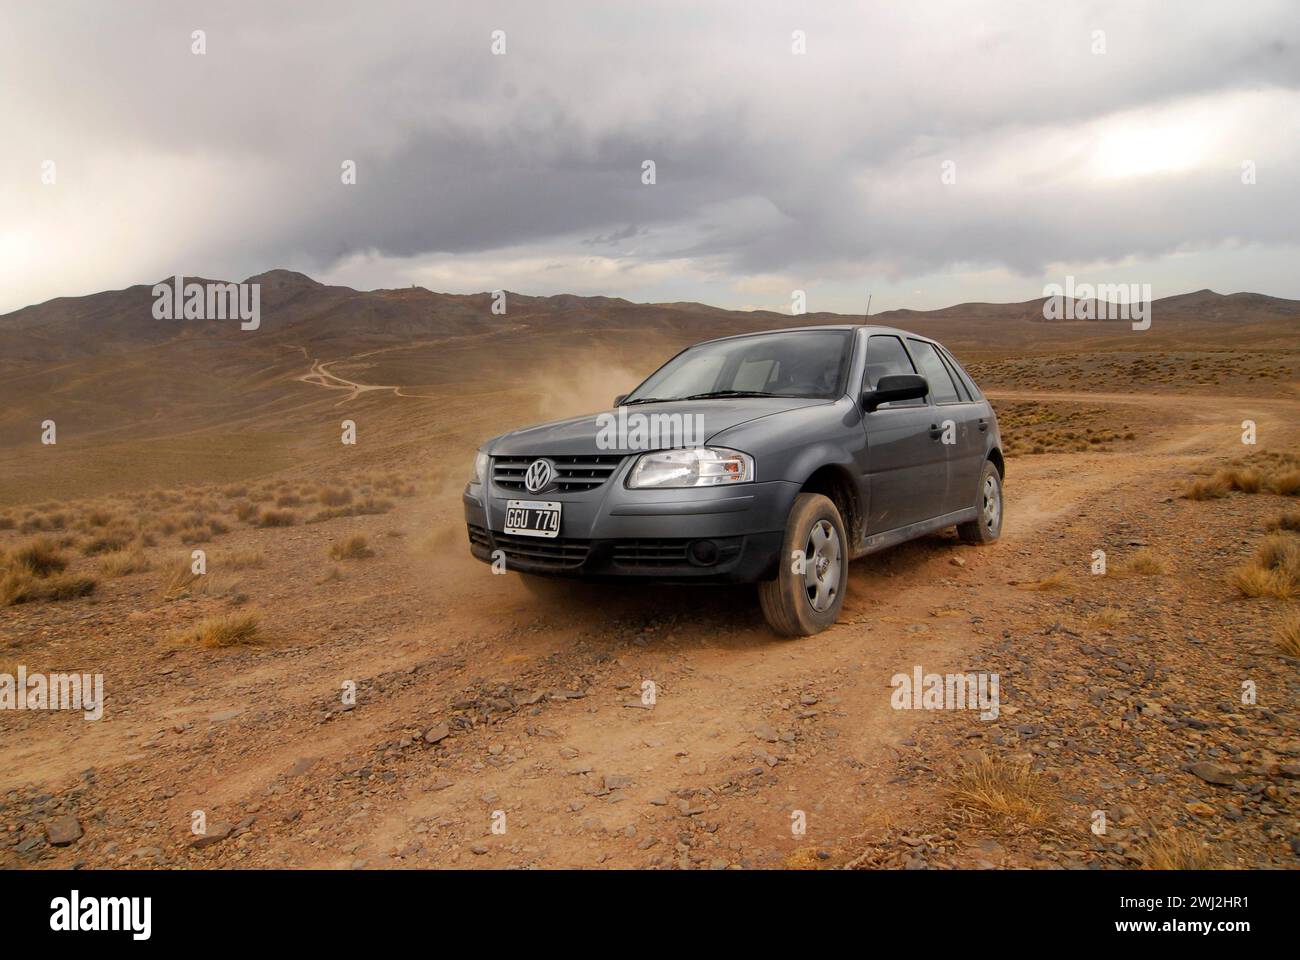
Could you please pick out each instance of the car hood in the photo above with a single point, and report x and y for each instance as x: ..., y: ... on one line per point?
x: 589, y: 434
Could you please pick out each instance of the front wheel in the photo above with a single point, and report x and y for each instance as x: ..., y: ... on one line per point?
x: 987, y: 527
x: 813, y: 570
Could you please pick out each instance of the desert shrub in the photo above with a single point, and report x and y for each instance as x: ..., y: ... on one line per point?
x: 1207, y: 488
x: 1289, y: 520
x: 1245, y: 479
x: 39, y: 557
x: 333, y: 513
x: 246, y: 512
x: 1000, y: 789
x: 288, y: 500
x: 1173, y: 849
x: 242, y: 560
x: 1142, y: 563
x: 353, y: 548
x: 372, y: 506
x: 277, y: 518
x: 1107, y: 618
x: 1055, y: 581
x: 227, y: 630
x: 333, y: 496
x: 1286, y: 633
x: 107, y: 543
x: 98, y: 518
x: 20, y: 585
x: 1286, y: 483
x: 123, y: 563
x: 1274, y: 571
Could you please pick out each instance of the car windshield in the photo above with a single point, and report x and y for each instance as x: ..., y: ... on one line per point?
x: 811, y: 364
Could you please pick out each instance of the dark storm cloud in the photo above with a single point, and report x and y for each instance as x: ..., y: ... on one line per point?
x: 766, y: 161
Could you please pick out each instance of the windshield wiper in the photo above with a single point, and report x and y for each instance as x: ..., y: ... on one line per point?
x: 715, y: 394
x: 628, y: 403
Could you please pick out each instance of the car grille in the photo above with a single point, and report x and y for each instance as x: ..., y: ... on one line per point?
x: 572, y: 474
x: 651, y: 553
x: 559, y: 553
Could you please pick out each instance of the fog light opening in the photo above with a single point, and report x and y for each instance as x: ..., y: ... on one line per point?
x: 703, y: 553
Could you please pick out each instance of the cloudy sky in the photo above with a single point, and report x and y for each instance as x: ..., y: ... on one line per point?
x: 925, y: 152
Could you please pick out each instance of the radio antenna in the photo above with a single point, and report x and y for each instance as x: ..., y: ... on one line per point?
x: 868, y: 306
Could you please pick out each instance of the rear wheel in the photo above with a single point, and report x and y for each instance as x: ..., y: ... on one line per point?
x: 813, y: 570
x: 987, y: 527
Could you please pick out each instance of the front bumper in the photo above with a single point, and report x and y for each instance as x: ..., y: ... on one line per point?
x: 612, y: 532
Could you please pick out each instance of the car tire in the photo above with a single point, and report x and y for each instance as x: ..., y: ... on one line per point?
x: 987, y: 527
x: 799, y: 604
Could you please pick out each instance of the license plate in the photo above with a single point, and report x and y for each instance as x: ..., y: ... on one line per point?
x: 533, y: 518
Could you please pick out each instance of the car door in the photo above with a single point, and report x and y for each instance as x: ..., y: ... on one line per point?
x: 957, y: 417
x: 907, y: 467
x: 978, y: 415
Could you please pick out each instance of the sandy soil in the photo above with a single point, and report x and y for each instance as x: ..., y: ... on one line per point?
x: 493, y: 727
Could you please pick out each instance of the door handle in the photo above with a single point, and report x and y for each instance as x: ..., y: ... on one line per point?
x: 983, y: 424
x: 935, y: 431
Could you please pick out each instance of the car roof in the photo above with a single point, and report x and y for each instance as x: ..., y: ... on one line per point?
x: 869, y: 327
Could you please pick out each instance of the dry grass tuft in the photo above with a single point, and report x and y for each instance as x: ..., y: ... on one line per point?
x: 180, y: 580
x: 333, y: 496
x: 243, y: 560
x: 1289, y: 520
x: 1143, y: 563
x: 353, y: 548
x: 1107, y: 618
x: 39, y: 557
x: 1173, y: 849
x: 1245, y: 479
x: 227, y: 630
x: 1286, y: 633
x: 277, y: 518
x: 1210, y: 488
x: 107, y: 543
x: 1286, y: 483
x: 18, y: 585
x: 124, y: 563
x: 1056, y: 581
x: 1003, y: 790
x: 1274, y: 571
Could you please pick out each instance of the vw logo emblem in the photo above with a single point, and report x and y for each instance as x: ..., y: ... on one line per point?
x: 538, y: 476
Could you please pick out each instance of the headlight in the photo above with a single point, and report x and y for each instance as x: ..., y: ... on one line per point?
x: 695, y: 467
x: 480, y: 468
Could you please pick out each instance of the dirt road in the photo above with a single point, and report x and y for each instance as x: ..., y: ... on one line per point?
x: 601, y: 726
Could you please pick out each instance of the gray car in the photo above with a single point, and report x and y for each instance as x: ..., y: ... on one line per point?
x: 772, y: 458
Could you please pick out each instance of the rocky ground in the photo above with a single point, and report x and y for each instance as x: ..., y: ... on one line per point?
x: 666, y: 728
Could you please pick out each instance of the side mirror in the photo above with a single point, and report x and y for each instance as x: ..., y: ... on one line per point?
x: 907, y: 386
x: 618, y: 401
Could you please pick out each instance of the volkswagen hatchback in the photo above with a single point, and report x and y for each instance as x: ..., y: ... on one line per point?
x: 773, y: 458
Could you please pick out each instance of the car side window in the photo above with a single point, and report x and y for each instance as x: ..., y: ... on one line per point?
x: 935, y: 373
x: 962, y: 375
x: 956, y: 377
x: 887, y: 358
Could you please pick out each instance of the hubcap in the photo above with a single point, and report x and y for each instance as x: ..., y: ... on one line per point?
x: 822, y: 553
x: 992, y: 503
